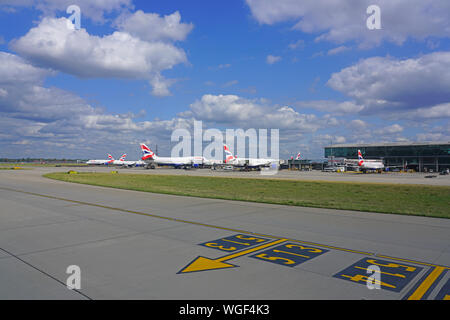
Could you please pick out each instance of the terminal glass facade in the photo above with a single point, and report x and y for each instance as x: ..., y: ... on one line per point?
x: 420, y: 157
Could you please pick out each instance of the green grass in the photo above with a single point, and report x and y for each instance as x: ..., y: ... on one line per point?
x: 430, y: 201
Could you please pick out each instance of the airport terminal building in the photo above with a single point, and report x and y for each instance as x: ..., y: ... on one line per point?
x: 418, y: 156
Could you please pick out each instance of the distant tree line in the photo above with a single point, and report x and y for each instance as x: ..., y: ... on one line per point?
x: 41, y: 160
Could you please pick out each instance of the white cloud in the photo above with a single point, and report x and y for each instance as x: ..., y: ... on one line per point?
x: 358, y: 124
x: 270, y: 59
x: 343, y: 21
x: 340, y: 108
x: 388, y: 130
x: 439, y: 111
x: 47, y: 118
x: 328, y: 139
x: 439, y: 136
x: 389, y: 86
x: 256, y: 113
x: 152, y: 27
x: 55, y: 45
x: 14, y: 69
x: 337, y: 50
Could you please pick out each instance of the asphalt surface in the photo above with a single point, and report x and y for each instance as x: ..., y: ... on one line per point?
x: 136, y: 245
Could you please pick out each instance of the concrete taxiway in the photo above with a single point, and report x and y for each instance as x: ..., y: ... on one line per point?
x: 136, y: 245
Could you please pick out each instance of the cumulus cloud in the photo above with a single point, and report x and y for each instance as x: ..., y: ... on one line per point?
x: 358, y: 124
x: 392, y: 129
x: 256, y: 113
x: 389, y: 85
x: 55, y: 44
x: 343, y: 21
x: 438, y: 133
x: 36, y: 118
x: 328, y: 139
x: 39, y: 121
x: 439, y: 111
x: 152, y: 27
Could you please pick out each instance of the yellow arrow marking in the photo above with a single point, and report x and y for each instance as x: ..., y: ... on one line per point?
x: 203, y: 264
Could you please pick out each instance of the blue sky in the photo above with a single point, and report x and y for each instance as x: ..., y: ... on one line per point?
x: 137, y: 70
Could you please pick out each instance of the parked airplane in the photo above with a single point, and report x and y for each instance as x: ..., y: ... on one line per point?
x: 120, y: 161
x: 246, y: 162
x: 365, y: 165
x: 151, y: 160
x: 101, y: 162
x: 128, y: 163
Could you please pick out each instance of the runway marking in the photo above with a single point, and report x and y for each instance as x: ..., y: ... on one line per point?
x: 393, y: 276
x: 428, y: 284
x: 202, y: 263
x: 289, y: 254
x: 444, y: 293
x: 230, y: 243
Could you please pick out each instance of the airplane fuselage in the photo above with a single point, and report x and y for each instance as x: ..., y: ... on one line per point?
x: 251, y: 162
x: 98, y: 162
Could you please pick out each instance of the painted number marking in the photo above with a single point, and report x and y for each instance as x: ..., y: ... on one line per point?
x: 289, y: 254
x: 393, y: 276
x: 234, y: 243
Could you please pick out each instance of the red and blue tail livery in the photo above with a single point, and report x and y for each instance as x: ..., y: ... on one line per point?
x: 147, y: 153
x: 360, y: 158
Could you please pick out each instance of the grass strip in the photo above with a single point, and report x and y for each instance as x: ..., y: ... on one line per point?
x: 421, y: 200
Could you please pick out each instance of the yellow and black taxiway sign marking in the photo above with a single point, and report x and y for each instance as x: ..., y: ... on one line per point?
x: 289, y: 254
x: 393, y: 276
x: 234, y: 243
x: 202, y: 264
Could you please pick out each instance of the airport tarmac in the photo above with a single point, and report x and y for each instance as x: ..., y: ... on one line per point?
x: 136, y: 245
x: 392, y: 177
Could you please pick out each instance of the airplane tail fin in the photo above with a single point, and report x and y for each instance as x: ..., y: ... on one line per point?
x: 111, y: 159
x: 360, y: 158
x: 122, y: 158
x: 229, y: 155
x: 147, y: 153
x: 298, y: 156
